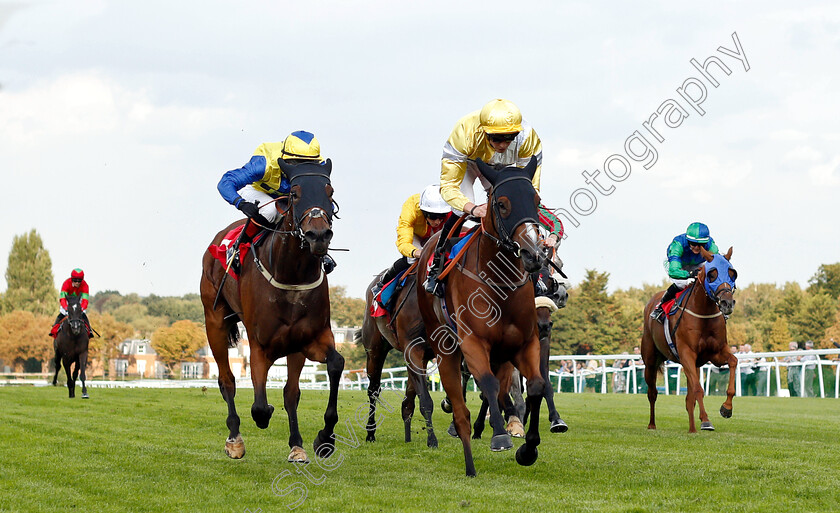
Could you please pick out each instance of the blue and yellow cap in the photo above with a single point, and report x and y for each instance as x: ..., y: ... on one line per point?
x: 301, y: 145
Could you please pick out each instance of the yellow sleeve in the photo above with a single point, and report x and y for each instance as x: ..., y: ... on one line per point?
x: 405, y: 225
x: 453, y: 165
x: 532, y: 147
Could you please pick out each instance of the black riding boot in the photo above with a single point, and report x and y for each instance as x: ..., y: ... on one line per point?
x: 396, y: 268
x: 670, y: 294
x: 329, y: 264
x: 432, y: 285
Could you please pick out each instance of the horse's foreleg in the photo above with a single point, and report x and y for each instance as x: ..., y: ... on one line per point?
x: 82, y: 364
x: 71, y: 381
x: 726, y: 408
x: 324, y: 443
x: 57, y: 367
x: 556, y: 424
x: 688, y: 364
x: 478, y: 362
x: 261, y: 411
x: 528, y: 363
x: 450, y: 377
x: 480, y: 418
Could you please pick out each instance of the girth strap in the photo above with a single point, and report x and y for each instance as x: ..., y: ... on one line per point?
x: 283, y: 286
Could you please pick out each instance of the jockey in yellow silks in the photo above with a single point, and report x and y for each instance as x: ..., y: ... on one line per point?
x: 496, y: 134
x: 422, y: 216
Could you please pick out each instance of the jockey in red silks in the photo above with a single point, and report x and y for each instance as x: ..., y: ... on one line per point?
x: 74, y: 286
x: 253, y: 187
x: 422, y: 216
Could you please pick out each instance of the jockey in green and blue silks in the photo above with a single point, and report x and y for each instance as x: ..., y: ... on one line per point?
x: 684, y: 259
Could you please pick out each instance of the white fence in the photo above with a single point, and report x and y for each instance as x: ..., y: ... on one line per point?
x: 395, y: 378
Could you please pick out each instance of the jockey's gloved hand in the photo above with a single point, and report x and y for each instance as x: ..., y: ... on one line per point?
x: 62, y: 311
x: 249, y: 209
x: 695, y: 272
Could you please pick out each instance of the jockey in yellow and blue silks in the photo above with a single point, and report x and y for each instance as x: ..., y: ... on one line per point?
x: 496, y: 134
x: 684, y: 259
x: 253, y: 187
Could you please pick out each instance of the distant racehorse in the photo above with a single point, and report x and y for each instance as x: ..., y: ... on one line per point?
x: 699, y: 337
x: 71, y: 346
x: 282, y: 298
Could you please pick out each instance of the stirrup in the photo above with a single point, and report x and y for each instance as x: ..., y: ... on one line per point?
x: 658, y: 314
x: 329, y: 264
x: 433, y: 286
x: 377, y: 288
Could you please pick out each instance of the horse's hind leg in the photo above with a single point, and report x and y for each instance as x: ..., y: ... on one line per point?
x: 652, y: 362
x: 726, y: 408
x: 407, y: 408
x: 450, y: 370
x: 217, y: 335
x: 377, y: 350
x: 480, y: 418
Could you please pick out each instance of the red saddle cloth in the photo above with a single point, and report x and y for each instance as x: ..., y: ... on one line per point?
x: 220, y: 251
x: 669, y: 307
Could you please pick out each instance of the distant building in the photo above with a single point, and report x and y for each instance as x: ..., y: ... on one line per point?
x: 136, y: 358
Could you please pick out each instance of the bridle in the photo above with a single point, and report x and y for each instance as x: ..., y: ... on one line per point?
x: 505, y: 239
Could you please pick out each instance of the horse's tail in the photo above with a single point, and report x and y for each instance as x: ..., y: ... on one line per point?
x: 233, y: 335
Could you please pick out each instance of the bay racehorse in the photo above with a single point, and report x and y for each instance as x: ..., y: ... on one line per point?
x: 71, y: 346
x: 404, y: 332
x: 282, y: 298
x: 492, y: 310
x: 699, y: 337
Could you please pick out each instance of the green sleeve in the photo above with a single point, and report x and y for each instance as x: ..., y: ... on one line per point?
x: 675, y: 270
x: 713, y: 249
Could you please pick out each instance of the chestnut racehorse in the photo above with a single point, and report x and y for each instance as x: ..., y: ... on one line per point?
x: 488, y: 300
x: 282, y: 298
x: 700, y: 337
x: 405, y: 333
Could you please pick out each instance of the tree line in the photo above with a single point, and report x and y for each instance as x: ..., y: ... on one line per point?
x: 767, y: 316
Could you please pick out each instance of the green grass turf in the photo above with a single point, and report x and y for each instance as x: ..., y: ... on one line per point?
x: 162, y: 450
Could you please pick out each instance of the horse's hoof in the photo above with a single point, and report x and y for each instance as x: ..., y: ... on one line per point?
x: 431, y: 441
x: 235, y: 447
x: 515, y: 427
x: 445, y: 405
x: 501, y: 443
x: 370, y: 437
x: 262, y: 416
x: 558, y: 426
x: 706, y: 426
x: 725, y: 412
x: 85, y: 396
x: 452, y: 431
x: 651, y: 426
x: 298, y: 455
x: 525, y: 457
x: 323, y: 446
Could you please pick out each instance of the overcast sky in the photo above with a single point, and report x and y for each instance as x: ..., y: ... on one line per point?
x: 117, y: 120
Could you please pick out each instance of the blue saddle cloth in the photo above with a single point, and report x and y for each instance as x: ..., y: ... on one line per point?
x: 389, y: 289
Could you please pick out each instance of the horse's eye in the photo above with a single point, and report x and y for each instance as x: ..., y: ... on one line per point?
x: 713, y: 275
x: 733, y: 274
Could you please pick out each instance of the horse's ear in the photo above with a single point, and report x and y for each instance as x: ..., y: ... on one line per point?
x: 531, y: 168
x: 728, y: 254
x: 706, y: 254
x: 288, y: 169
x: 487, y: 171
x: 327, y: 165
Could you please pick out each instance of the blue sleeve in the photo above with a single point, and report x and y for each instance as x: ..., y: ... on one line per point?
x: 236, y: 179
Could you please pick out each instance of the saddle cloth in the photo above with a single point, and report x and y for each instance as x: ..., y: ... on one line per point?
x: 671, y: 307
x: 224, y: 251
x: 382, y: 303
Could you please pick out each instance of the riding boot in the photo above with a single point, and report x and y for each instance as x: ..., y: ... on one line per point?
x: 658, y: 313
x: 432, y: 285
x: 329, y: 264
x: 58, y: 320
x: 400, y: 265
